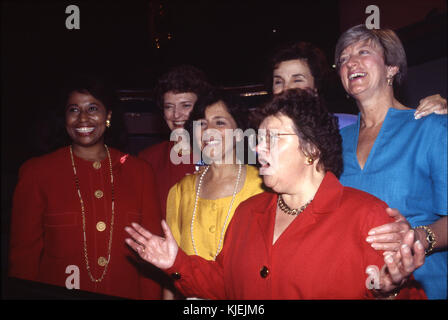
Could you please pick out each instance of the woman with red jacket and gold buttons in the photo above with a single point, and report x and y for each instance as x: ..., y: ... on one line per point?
x: 70, y: 206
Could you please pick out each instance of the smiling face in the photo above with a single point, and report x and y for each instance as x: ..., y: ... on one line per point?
x: 292, y: 74
x: 284, y: 163
x: 362, y: 69
x: 217, y: 120
x: 85, y: 119
x: 177, y: 108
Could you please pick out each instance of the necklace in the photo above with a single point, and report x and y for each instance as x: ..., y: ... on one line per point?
x: 286, y: 209
x: 86, y: 257
x: 228, y: 211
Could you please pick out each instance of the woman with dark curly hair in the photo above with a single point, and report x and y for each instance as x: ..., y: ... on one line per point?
x: 176, y: 93
x: 303, y: 240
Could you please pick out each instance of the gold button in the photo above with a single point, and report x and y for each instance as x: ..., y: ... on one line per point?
x: 264, y: 272
x: 100, y: 226
x: 99, y: 194
x: 102, y: 261
x: 212, y: 229
x: 96, y: 165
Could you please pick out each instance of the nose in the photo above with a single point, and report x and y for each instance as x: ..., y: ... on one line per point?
x: 261, y: 147
x: 351, y: 61
x: 83, y: 116
x: 177, y: 112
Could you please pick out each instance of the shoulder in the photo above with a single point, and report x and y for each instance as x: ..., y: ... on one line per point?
x: 257, y: 202
x: 434, y: 121
x: 406, y: 117
x: 130, y: 165
x: 47, y: 161
x: 187, y: 183
x: 155, y: 149
x: 364, y: 206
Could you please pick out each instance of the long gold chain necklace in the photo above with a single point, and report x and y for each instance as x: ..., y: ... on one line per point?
x: 86, y: 256
x: 286, y: 209
x: 228, y: 211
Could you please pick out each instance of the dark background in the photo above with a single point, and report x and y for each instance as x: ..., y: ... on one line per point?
x: 133, y: 42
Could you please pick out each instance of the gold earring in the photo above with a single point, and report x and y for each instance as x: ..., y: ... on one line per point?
x: 107, y: 123
x: 309, y: 160
x: 389, y: 81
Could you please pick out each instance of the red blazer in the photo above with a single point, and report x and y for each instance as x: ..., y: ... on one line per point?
x: 167, y: 174
x: 321, y: 255
x: 46, y: 229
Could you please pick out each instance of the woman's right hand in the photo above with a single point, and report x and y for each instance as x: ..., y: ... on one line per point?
x: 156, y: 250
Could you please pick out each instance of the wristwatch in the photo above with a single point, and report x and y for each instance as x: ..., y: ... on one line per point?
x: 430, y: 237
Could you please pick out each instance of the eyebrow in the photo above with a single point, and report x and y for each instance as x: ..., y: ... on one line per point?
x: 219, y: 117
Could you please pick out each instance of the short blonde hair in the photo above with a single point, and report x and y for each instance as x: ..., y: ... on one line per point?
x: 393, y: 51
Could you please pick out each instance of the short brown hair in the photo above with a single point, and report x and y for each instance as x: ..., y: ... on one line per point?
x: 181, y: 79
x: 393, y: 51
x: 305, y: 51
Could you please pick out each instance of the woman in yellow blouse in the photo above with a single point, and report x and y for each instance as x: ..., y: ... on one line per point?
x: 201, y: 206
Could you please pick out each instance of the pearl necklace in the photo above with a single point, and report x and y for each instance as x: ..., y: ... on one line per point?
x: 228, y: 211
x: 86, y: 257
x: 286, y: 209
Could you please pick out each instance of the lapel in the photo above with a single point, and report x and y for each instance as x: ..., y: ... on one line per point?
x: 326, y: 200
x: 265, y: 215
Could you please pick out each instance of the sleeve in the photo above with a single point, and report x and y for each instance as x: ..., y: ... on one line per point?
x: 375, y: 217
x: 151, y: 219
x: 26, y: 241
x: 173, y: 218
x: 437, y: 159
x: 197, y: 277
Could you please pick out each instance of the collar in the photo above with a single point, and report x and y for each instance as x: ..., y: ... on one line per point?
x: 326, y: 200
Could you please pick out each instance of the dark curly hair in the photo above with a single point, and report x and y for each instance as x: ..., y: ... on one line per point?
x: 181, y: 79
x: 314, y: 125
x: 312, y: 55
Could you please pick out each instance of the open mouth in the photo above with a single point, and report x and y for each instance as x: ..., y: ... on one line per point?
x: 357, y: 75
x: 264, y: 164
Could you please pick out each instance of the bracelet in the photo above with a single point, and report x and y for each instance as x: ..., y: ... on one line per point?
x: 430, y: 238
x: 391, y: 296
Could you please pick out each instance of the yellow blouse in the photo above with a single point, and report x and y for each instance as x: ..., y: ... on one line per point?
x: 210, y: 214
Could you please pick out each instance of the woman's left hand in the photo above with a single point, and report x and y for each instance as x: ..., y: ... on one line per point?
x: 432, y: 104
x: 400, y: 265
x: 390, y: 236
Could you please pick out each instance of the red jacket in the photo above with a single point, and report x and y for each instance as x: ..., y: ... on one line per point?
x: 321, y: 255
x: 46, y: 229
x: 167, y: 174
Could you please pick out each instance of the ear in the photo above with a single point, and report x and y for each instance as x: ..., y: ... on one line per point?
x: 392, y: 71
x: 310, y: 150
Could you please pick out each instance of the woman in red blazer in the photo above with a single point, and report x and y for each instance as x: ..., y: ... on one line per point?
x: 70, y: 207
x: 176, y: 94
x: 304, y: 240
